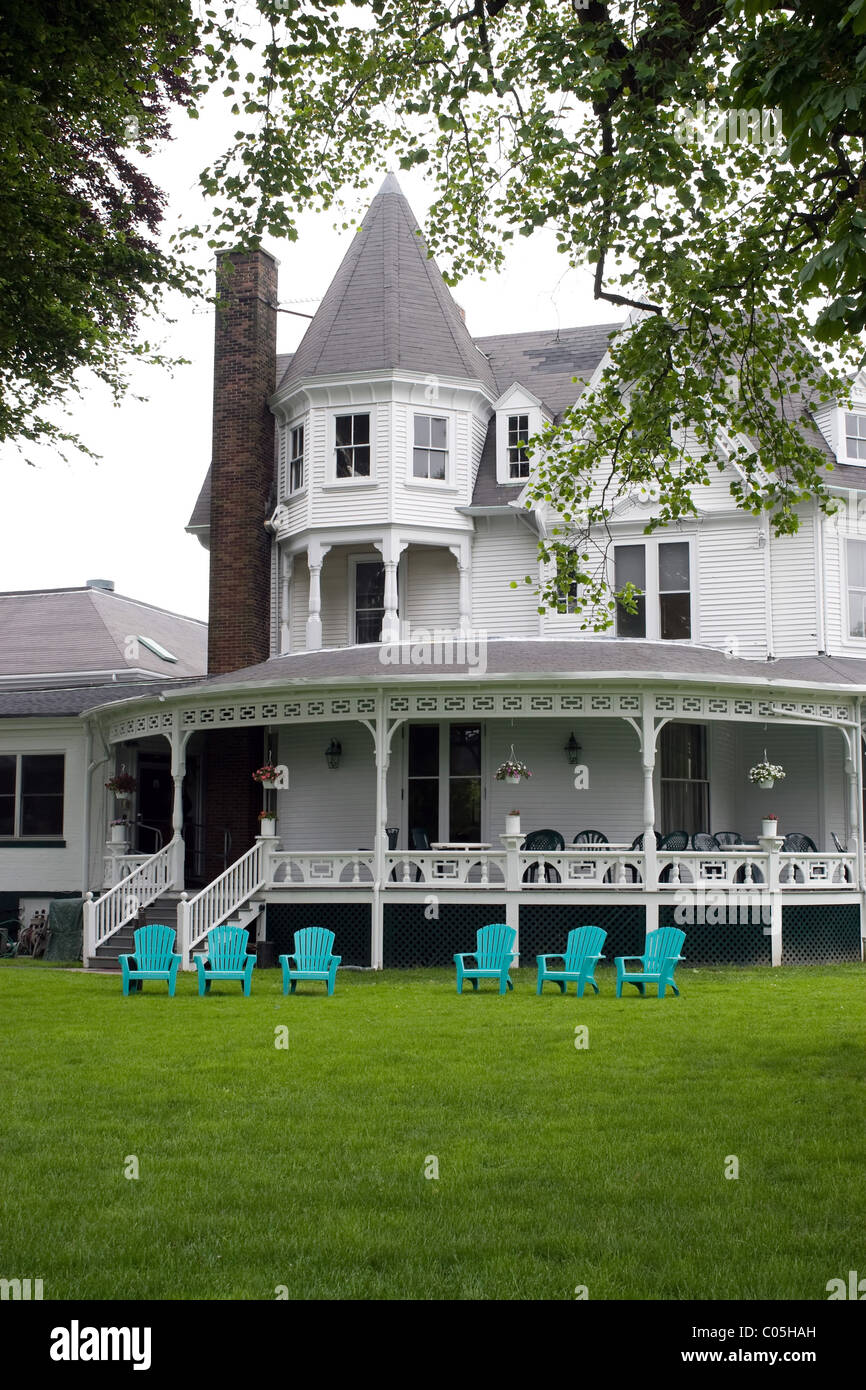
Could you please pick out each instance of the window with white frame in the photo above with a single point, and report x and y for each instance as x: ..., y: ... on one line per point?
x: 352, y: 446
x: 430, y: 449
x: 516, y: 452
x: 660, y: 573
x: 855, y: 435
x: 369, y: 606
x: 296, y: 458
x: 856, y: 558
x: 31, y: 795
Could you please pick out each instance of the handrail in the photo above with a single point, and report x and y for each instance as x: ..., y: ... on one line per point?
x: 105, y: 915
x: 220, y: 899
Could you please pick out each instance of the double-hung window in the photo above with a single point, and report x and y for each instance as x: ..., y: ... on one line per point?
x: 430, y: 452
x: 518, y: 457
x: 660, y: 572
x: 31, y: 795
x: 855, y: 435
x: 352, y: 446
x: 296, y: 458
x: 856, y: 558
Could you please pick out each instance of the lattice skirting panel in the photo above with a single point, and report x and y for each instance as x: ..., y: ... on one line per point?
x: 815, y: 934
x: 717, y: 944
x: 350, y: 923
x: 409, y: 939
x: 544, y: 928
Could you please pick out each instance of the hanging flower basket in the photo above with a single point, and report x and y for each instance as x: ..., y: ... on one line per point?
x: 511, y: 770
x: 123, y: 784
x: 765, y: 774
x: 267, y: 775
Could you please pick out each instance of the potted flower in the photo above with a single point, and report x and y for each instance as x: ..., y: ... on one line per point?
x: 764, y: 774
x: 770, y: 826
x: 267, y: 775
x: 512, y: 823
x: 122, y: 784
x: 511, y: 770
x: 119, y: 831
x: 267, y: 823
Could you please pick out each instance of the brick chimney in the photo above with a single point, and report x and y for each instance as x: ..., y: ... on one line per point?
x: 242, y: 464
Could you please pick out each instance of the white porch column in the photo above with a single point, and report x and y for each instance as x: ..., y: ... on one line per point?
x: 382, y: 754
x: 390, y: 547
x: 316, y: 552
x: 286, y: 563
x: 464, y: 577
x: 648, y: 763
x: 179, y: 740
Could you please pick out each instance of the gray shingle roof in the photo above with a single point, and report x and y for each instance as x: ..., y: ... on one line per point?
x: 548, y: 361
x: 388, y: 306
x: 577, y: 659
x: 56, y: 702
x: 58, y: 632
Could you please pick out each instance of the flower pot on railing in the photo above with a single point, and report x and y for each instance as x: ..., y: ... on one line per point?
x: 119, y: 834
x: 769, y: 827
x: 268, y: 826
x: 512, y: 824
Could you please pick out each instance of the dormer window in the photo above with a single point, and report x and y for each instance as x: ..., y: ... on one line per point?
x: 518, y: 457
x: 855, y: 435
x: 296, y: 458
x: 430, y: 452
x: 352, y: 446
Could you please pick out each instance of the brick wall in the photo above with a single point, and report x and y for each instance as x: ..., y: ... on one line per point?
x: 242, y: 467
x: 232, y: 799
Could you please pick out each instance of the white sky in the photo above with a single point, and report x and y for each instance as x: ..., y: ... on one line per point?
x: 123, y: 519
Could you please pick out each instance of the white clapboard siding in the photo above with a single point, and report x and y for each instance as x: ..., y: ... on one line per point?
x: 275, y: 601
x: 834, y: 788
x: 731, y: 608
x: 432, y: 589
x: 722, y: 763
x: 796, y: 800
x: 503, y: 551
x: 325, y: 808
x: 826, y: 417
x: 55, y: 869
x: 792, y: 566
x: 479, y: 434
x: 299, y: 604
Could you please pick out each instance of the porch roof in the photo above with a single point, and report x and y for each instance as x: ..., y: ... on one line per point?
x: 656, y: 662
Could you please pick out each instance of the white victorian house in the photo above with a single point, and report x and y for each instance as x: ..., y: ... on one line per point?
x: 372, y: 634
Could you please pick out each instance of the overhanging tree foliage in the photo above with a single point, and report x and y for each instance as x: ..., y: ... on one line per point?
x: 742, y: 258
x: 82, y: 85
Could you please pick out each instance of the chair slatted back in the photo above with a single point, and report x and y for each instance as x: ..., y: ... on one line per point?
x: 583, y: 942
x: 418, y: 838
x: 154, y: 946
x: 493, y: 943
x: 313, y: 948
x: 590, y: 837
x: 661, y: 945
x: 798, y: 844
x: 227, y: 947
x: 544, y: 839
x: 726, y: 839
x: 678, y: 839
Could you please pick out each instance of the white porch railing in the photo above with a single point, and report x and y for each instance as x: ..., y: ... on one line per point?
x: 219, y: 900
x: 444, y: 868
x: 145, y: 882
x: 744, y: 867
x: 326, y: 868
x: 577, y: 868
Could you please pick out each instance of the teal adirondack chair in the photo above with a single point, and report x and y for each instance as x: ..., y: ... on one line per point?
x: 226, y: 959
x: 659, y: 962
x: 493, y: 954
x: 313, y: 959
x: 154, y: 958
x: 582, y: 952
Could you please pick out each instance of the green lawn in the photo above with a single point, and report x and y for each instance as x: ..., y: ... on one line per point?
x: 558, y: 1167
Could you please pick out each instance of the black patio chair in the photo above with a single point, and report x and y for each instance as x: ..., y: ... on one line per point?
x: 704, y: 843
x: 637, y: 842
x: 677, y: 840
x: 549, y: 840
x: 843, y: 849
x: 393, y: 833
x: 727, y: 839
x: 418, y: 838
x: 590, y: 837
x: 798, y: 844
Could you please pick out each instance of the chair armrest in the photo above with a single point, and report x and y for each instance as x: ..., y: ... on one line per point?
x: 336, y: 959
x: 552, y: 955
x: 625, y: 958
x: 466, y: 955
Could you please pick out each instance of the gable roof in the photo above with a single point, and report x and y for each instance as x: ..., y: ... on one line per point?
x: 52, y: 635
x: 388, y: 307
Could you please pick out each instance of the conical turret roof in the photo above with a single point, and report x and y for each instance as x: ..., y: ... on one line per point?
x: 388, y: 306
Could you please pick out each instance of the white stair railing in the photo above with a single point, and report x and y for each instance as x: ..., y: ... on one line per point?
x: 105, y: 915
x: 219, y: 900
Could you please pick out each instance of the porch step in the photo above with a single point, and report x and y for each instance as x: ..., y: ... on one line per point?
x: 244, y: 917
x: 122, y: 943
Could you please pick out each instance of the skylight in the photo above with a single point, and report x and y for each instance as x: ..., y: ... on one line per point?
x: 156, y: 648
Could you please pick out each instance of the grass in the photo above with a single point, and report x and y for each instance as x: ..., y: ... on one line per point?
x: 558, y: 1167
